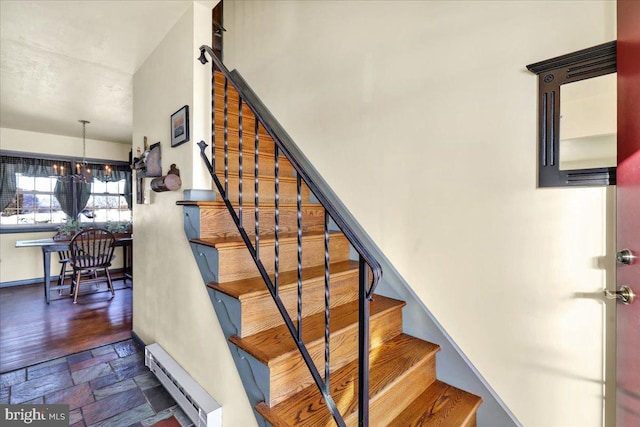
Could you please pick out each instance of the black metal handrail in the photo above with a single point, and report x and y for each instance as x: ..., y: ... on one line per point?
x: 334, y: 211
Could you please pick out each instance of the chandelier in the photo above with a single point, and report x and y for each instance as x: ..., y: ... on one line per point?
x: 82, y: 173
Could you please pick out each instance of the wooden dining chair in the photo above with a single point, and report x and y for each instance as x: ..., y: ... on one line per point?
x: 91, y: 251
x: 65, y: 259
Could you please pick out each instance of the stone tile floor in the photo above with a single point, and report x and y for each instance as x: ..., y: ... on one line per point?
x: 108, y: 386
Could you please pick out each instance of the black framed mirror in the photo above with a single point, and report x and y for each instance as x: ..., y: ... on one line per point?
x: 577, y: 148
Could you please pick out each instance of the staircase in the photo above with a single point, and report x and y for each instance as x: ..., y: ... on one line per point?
x: 294, y: 291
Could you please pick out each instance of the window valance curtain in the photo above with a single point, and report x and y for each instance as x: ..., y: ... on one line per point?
x: 10, y: 165
x: 116, y: 173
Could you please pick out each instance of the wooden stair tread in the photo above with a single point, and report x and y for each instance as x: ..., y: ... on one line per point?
x: 248, y: 157
x: 248, y: 176
x: 219, y: 204
x: 248, y: 129
x: 287, y: 191
x: 266, y: 162
x: 389, y: 363
x: 440, y: 404
x: 233, y: 122
x: 266, y: 143
x: 248, y: 134
x: 248, y: 150
x: 271, y: 345
x: 255, y: 287
x: 283, y: 238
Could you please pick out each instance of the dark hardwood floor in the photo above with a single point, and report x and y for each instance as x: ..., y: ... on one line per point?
x: 32, y: 331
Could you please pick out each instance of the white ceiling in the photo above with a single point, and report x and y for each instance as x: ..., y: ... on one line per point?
x: 62, y: 61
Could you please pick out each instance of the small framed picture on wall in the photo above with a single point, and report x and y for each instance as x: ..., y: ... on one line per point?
x: 180, y: 126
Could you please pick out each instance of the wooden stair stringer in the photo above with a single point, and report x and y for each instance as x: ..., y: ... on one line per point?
x: 252, y: 378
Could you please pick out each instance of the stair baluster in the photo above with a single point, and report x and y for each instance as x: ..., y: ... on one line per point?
x: 364, y: 311
x: 213, y: 116
x: 277, y: 219
x: 256, y: 201
x: 226, y: 137
x: 327, y: 302
x: 299, y: 207
x: 240, y: 162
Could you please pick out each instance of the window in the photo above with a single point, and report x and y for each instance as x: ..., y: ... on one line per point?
x: 107, y: 203
x: 34, y: 197
x: 34, y: 202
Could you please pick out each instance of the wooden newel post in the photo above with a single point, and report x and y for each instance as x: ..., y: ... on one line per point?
x: 170, y: 182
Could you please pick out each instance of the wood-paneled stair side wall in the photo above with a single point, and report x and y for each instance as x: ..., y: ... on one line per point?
x: 404, y: 389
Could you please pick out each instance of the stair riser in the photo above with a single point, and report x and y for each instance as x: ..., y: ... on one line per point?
x: 265, y: 143
x: 266, y: 163
x: 290, y: 375
x: 236, y: 263
x: 233, y: 122
x: 233, y: 126
x: 260, y: 314
x: 232, y: 97
x: 219, y: 81
x: 232, y: 104
x: 266, y: 191
x: 218, y: 222
x: 385, y: 406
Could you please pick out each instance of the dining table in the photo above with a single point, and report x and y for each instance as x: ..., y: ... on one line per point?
x: 50, y: 245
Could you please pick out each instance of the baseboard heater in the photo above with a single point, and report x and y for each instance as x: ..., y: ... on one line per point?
x: 199, y: 406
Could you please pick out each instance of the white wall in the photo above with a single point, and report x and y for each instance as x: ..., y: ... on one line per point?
x: 422, y: 117
x: 45, y: 143
x: 171, y: 303
x: 26, y: 263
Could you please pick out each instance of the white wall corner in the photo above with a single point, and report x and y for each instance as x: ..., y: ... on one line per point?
x: 201, y: 110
